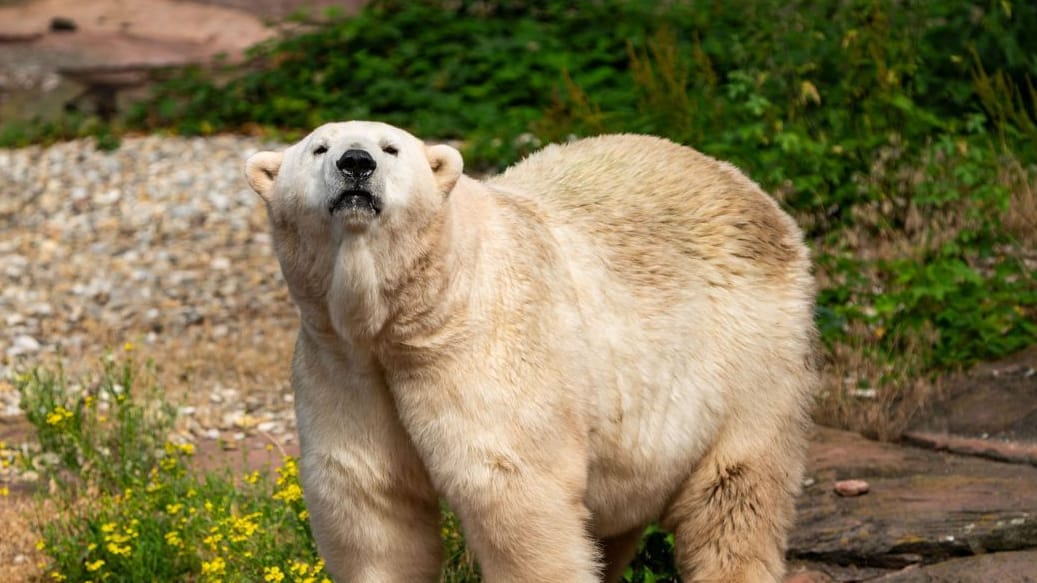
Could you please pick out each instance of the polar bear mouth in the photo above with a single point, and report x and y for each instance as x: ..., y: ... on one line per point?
x: 355, y: 200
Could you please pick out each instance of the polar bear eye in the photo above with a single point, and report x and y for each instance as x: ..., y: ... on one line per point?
x: 391, y: 150
x: 320, y: 150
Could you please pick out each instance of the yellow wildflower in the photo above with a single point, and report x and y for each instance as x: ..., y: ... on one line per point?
x: 298, y: 568
x: 173, y: 508
x: 304, y: 515
x: 116, y: 542
x: 57, y: 576
x: 173, y: 539
x: 252, y: 478
x: 117, y: 549
x: 58, y: 416
x: 242, y: 528
x: 40, y: 545
x: 128, y: 347
x: 213, y: 540
x: 288, y: 472
x: 289, y: 493
x: 273, y: 574
x: 95, y: 565
x: 4, y: 492
x: 217, y: 566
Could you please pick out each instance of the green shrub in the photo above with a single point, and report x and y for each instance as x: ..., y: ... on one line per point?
x: 132, y: 508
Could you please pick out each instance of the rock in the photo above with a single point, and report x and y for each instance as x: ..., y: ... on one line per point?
x: 851, y: 487
x: 989, y: 411
x: 1011, y: 567
x: 996, y: 449
x: 62, y: 24
x: 24, y: 344
x: 924, y: 506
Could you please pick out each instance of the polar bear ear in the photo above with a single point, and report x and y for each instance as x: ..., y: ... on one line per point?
x: 261, y: 171
x: 446, y: 164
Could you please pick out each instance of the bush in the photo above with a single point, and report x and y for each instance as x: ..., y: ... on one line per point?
x: 132, y: 508
x: 865, y: 118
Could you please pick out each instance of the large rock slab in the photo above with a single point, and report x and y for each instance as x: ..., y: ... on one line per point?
x: 989, y: 411
x: 923, y: 506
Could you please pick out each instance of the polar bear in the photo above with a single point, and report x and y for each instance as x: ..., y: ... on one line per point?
x: 615, y: 331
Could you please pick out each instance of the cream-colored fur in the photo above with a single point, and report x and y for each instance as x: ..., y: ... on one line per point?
x: 614, y: 331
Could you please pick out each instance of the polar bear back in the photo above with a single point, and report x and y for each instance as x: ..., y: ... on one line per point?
x: 664, y: 214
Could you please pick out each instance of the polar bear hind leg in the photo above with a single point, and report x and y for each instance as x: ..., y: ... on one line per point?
x: 730, y: 517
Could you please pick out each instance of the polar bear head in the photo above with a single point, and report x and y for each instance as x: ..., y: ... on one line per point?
x: 355, y: 175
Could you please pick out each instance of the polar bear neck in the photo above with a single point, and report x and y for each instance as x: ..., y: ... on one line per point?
x: 405, y: 284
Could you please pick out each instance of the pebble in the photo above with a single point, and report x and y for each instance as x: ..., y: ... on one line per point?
x: 848, y: 488
x: 23, y: 344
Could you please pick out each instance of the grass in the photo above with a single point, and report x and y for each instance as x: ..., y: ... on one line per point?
x: 129, y: 505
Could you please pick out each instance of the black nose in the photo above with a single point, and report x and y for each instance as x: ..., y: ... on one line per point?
x: 356, y: 164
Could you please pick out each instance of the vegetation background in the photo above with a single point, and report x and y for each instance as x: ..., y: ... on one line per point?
x: 902, y: 136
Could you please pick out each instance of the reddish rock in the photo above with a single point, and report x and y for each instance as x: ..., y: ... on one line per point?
x: 851, y: 487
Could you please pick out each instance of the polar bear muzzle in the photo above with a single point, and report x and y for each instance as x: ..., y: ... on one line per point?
x: 356, y: 166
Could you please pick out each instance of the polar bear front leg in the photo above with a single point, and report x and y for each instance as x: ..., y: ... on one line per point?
x: 374, y: 515
x: 513, y: 469
x: 526, y: 525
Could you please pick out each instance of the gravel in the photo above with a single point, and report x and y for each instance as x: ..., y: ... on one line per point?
x: 159, y: 248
